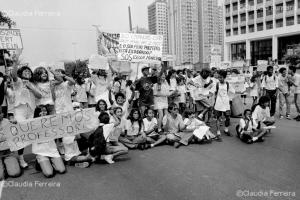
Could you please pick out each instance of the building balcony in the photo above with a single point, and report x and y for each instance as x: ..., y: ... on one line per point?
x: 235, y: 25
x: 279, y: 15
x: 243, y: 23
x: 227, y: 2
x: 288, y: 0
x: 227, y: 26
x: 259, y: 20
x: 242, y: 10
x: 250, y: 21
x: 233, y: 1
x: 269, y: 17
x: 235, y: 12
x: 289, y: 13
x: 278, y: 2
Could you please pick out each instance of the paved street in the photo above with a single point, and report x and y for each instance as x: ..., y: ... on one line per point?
x: 212, y: 171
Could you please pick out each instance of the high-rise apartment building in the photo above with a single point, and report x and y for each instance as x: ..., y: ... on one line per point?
x: 158, y: 21
x: 210, y: 31
x: 183, y: 31
x: 261, y: 29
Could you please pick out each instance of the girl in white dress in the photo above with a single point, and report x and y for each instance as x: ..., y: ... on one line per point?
x: 48, y: 159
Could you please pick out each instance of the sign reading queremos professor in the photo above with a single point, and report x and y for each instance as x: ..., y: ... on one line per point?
x: 10, y: 39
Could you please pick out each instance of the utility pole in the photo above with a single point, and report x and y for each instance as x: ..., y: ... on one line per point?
x: 130, y: 22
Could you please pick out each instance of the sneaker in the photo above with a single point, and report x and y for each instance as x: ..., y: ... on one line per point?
x: 297, y: 117
x: 83, y: 164
x: 23, y: 164
x: 281, y: 117
x: 108, y: 159
x: 217, y: 138
x: 288, y: 117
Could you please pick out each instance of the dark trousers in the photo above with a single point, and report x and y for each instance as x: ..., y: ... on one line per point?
x: 272, y: 95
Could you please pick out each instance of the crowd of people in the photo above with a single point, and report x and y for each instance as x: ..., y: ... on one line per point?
x: 162, y: 107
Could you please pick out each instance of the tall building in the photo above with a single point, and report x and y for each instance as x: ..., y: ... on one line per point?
x: 183, y: 31
x: 261, y: 29
x: 158, y: 21
x: 210, y: 32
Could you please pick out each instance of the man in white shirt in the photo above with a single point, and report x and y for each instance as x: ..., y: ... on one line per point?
x: 295, y: 81
x: 270, y: 87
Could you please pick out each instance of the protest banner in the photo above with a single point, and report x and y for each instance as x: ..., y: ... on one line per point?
x: 262, y: 65
x: 122, y: 67
x: 108, y: 43
x: 168, y: 57
x: 49, y: 127
x: 237, y: 82
x: 10, y: 39
x: 98, y: 62
x: 225, y: 65
x: 144, y: 48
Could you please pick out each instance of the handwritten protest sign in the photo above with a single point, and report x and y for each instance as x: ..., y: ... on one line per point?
x: 144, y: 48
x: 10, y: 39
x: 50, y: 127
x: 168, y: 57
x: 262, y: 65
x: 225, y: 65
x: 98, y: 62
x: 237, y: 82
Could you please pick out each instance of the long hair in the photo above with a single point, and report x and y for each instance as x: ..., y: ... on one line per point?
x: 37, y: 74
x: 20, y: 72
x: 168, y: 77
x: 139, y: 120
x: 98, y: 107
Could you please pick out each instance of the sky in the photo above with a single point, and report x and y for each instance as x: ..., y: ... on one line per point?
x: 56, y: 30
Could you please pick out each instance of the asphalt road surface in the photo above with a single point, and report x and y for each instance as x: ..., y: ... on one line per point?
x: 226, y: 171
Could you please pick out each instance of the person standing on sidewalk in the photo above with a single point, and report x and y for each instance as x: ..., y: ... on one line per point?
x: 270, y: 88
x: 295, y: 81
x: 284, y: 93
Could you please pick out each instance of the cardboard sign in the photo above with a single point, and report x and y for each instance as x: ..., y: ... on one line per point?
x: 121, y: 66
x: 50, y: 127
x: 144, y: 48
x: 10, y: 39
x: 168, y: 57
x: 262, y: 65
x: 237, y: 82
x: 98, y: 62
x: 225, y: 65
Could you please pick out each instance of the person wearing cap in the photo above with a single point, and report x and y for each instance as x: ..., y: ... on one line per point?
x: 144, y: 86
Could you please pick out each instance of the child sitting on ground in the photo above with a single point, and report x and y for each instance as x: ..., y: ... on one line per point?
x: 246, y: 131
x: 199, y: 129
x: 150, y: 124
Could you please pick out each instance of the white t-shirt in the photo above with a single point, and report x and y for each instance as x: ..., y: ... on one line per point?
x: 149, y: 125
x: 259, y: 115
x: 23, y: 95
x: 3, y: 143
x: 243, y: 125
x: 45, y: 89
x: 101, y: 91
x: 132, y: 129
x: 182, y: 91
x: 71, y: 147
x: 81, y: 95
x: 47, y: 149
x: 173, y: 84
x: 124, y: 107
x: 270, y: 82
x: 297, y: 83
x: 63, y: 101
x: 253, y: 89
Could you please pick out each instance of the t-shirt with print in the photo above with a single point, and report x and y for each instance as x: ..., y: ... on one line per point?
x: 47, y: 98
x: 144, y: 86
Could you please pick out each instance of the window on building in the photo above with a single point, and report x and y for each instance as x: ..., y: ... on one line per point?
x: 290, y: 5
x: 251, y: 2
x: 234, y: 6
x: 251, y: 28
x: 269, y: 25
x: 260, y: 13
x: 238, y: 51
x: 227, y: 20
x: 235, y: 31
x: 269, y: 10
x: 279, y: 8
x: 251, y: 15
x: 298, y: 19
x: 243, y: 29
x: 279, y: 23
x: 235, y: 19
x: 242, y: 4
x: 243, y: 17
x: 260, y: 50
x: 259, y: 1
x: 290, y: 21
x: 260, y: 26
x: 227, y: 8
x: 228, y: 32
